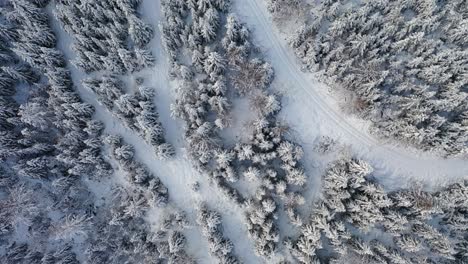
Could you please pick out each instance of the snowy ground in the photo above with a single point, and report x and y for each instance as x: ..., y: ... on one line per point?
x: 308, y: 107
x: 312, y: 111
x: 177, y: 173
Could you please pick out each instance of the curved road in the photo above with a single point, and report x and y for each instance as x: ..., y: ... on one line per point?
x: 312, y: 111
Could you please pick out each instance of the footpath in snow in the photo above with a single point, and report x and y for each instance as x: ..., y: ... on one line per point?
x: 177, y: 173
x: 311, y: 111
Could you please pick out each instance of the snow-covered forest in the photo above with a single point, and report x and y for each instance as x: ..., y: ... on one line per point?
x: 405, y: 63
x: 233, y: 131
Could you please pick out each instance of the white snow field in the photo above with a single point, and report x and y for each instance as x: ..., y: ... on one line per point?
x: 312, y: 111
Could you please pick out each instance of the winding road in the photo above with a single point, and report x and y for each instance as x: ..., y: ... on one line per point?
x: 308, y: 108
x: 312, y: 111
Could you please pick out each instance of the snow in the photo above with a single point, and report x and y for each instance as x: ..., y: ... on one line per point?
x: 312, y: 111
x: 241, y: 116
x: 308, y: 107
x: 177, y: 174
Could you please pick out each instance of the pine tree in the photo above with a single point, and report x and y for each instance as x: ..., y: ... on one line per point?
x: 140, y: 32
x: 214, y: 63
x: 176, y: 242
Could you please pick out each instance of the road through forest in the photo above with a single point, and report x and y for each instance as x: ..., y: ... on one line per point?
x: 312, y: 111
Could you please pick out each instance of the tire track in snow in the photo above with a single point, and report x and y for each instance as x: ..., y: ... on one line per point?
x: 289, y: 59
x: 321, y: 112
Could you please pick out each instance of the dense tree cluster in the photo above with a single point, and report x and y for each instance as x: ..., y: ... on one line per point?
x: 122, y: 232
x: 58, y: 105
x: 22, y: 253
x: 202, y: 93
x: 287, y: 10
x: 405, y: 62
x: 123, y: 236
x: 49, y: 143
x: 414, y: 226
x: 202, y: 96
x: 108, y: 35
x: 272, y: 163
x: 211, y: 225
x: 247, y: 74
x: 52, y: 134
x: 51, y: 146
x: 149, y: 190
x: 267, y: 158
x: 137, y: 111
x: 201, y: 100
x: 51, y: 150
x: 62, y: 200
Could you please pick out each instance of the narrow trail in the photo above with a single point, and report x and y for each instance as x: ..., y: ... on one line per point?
x: 307, y: 107
x: 233, y: 220
x: 312, y: 111
x: 177, y: 173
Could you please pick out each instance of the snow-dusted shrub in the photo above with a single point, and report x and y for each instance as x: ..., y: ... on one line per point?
x: 17, y: 208
x: 108, y: 89
x: 140, y: 32
x: 176, y: 242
